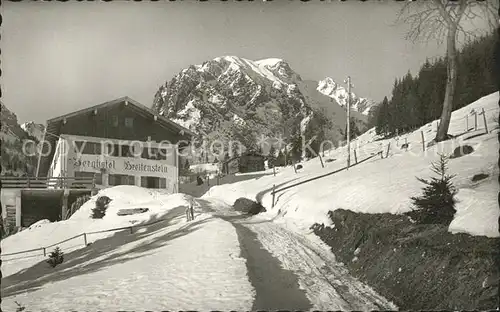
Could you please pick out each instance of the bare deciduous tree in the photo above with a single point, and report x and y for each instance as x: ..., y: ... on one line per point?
x: 444, y: 20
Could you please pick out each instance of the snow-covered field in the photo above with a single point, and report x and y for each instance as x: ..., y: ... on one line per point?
x: 173, y: 263
x: 210, y: 169
x: 42, y: 234
x: 197, y: 264
x: 386, y: 185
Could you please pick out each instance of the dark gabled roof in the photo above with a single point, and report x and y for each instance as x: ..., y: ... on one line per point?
x: 242, y: 155
x: 130, y: 102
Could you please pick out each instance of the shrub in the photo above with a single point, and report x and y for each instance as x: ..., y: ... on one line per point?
x: 248, y: 206
x: 462, y: 151
x: 8, y: 228
x: 101, y: 205
x: 56, y: 257
x: 20, y: 307
x: 76, y: 205
x: 479, y: 177
x: 437, y: 203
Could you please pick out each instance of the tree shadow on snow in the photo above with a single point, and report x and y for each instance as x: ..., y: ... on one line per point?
x: 208, y: 206
x: 76, y: 262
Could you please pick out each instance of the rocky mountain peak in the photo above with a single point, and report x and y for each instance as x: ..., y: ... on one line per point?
x: 233, y: 98
x: 34, y: 129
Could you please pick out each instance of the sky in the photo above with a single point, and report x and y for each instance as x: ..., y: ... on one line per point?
x: 58, y: 57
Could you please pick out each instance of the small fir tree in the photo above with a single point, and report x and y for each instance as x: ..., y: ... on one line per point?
x: 56, y: 257
x: 437, y: 203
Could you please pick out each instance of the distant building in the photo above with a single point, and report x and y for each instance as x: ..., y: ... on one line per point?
x: 117, y: 143
x: 248, y: 162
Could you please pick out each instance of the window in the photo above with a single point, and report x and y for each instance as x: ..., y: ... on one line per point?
x: 127, y: 151
x: 78, y: 146
x: 113, y: 150
x: 129, y: 122
x: 89, y: 175
x: 92, y: 148
x: 154, y: 153
x: 115, y: 121
x: 153, y: 182
x: 121, y: 179
x: 89, y: 148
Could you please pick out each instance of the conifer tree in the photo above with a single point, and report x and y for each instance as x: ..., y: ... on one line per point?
x: 437, y: 203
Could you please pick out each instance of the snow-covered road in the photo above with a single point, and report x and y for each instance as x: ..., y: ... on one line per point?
x: 326, y: 283
x: 174, y: 265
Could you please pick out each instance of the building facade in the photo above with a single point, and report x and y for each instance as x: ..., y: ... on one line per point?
x: 248, y: 162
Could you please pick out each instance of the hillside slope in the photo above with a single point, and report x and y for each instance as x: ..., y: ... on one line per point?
x: 359, y: 188
x: 14, y: 161
x: 332, y: 89
x: 232, y: 98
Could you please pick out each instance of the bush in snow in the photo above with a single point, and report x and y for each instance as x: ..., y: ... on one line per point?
x: 56, y: 257
x: 76, y: 205
x: 437, y: 203
x: 101, y: 205
x: 248, y: 206
x: 7, y: 228
x: 20, y: 307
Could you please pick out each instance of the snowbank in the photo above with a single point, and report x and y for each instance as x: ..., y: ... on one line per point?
x: 43, y: 233
x: 386, y: 185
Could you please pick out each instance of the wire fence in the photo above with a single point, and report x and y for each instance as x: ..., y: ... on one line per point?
x: 83, y: 235
x: 275, y: 191
x: 356, y: 146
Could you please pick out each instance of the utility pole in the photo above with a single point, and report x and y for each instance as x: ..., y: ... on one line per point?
x: 348, y: 81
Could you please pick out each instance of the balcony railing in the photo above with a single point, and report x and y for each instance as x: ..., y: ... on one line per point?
x: 48, y: 183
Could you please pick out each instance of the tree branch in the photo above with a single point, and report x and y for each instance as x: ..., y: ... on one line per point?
x: 432, y: 19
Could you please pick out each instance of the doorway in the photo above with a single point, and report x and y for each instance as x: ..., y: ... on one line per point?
x: 152, y: 182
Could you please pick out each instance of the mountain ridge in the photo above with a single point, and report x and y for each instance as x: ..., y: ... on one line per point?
x: 230, y: 97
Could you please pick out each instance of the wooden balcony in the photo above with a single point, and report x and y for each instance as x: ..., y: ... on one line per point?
x: 78, y: 183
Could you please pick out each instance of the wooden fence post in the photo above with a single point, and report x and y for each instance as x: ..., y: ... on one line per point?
x: 274, y: 170
x: 274, y: 187
x: 467, y: 123
x: 475, y: 120
x: 85, y: 238
x: 131, y: 230
x: 29, y: 183
x: 484, y: 119
x: 406, y: 144
x: 381, y: 154
x: 388, y: 147
x: 355, y: 157
x: 423, y: 140
x: 44, y: 252
x: 321, y: 160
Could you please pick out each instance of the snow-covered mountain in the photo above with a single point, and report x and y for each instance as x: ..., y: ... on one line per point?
x: 33, y: 129
x: 332, y: 89
x: 13, y: 159
x: 232, y: 98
